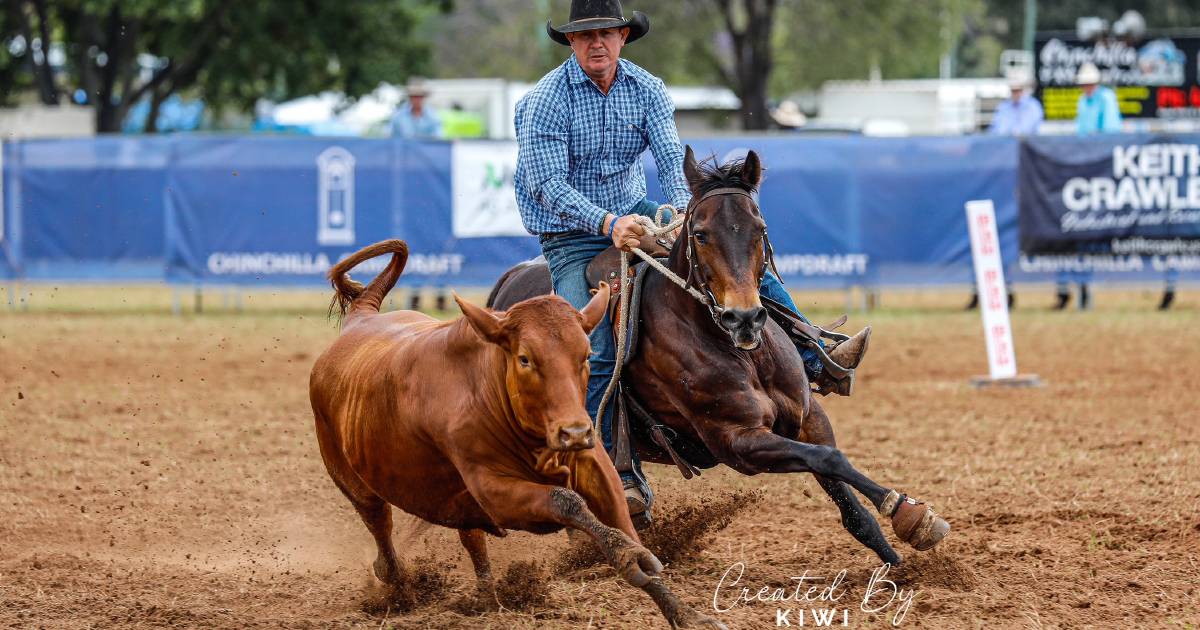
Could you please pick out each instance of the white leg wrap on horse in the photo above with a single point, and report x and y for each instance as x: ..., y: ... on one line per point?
x: 890, y: 503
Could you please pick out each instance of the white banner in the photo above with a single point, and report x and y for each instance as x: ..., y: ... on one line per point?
x: 989, y: 281
x: 485, y: 199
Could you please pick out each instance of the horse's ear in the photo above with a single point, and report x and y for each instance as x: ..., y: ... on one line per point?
x: 485, y: 322
x: 752, y: 170
x: 593, y: 312
x: 691, y: 170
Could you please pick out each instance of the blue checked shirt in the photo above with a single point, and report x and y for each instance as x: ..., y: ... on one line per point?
x: 579, y: 150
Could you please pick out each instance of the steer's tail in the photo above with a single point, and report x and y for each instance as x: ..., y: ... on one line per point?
x: 350, y: 296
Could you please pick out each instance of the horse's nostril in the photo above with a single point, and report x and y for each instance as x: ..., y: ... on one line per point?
x: 760, y: 318
x: 730, y: 320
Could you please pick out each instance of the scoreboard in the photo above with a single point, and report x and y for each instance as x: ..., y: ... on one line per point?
x: 1155, y: 77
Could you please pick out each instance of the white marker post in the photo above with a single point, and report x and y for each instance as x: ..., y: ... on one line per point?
x: 993, y: 300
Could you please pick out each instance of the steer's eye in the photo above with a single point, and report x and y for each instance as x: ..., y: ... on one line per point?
x: 701, y: 237
x: 523, y: 360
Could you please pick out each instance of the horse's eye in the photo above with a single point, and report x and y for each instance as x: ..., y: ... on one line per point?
x: 523, y: 360
x: 701, y: 237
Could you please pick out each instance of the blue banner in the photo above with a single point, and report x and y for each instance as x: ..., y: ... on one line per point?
x: 876, y: 211
x: 280, y: 210
x: 1124, y: 195
x: 87, y: 209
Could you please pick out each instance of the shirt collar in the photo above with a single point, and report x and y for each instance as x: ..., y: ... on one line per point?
x: 577, y: 75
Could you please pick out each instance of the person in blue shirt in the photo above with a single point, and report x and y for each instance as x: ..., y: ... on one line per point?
x: 581, y: 132
x: 415, y: 120
x: 1096, y: 112
x: 1020, y: 115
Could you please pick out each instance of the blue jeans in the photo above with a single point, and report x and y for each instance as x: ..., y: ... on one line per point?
x: 568, y: 255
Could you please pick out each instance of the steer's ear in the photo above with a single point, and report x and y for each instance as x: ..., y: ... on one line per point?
x: 591, y: 314
x: 482, y: 320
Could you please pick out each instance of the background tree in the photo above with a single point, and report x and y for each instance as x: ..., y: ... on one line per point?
x: 226, y: 52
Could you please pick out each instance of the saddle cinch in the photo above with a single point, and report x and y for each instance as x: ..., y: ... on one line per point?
x: 689, y: 456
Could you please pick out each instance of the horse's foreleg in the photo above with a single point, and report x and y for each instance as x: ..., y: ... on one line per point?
x: 816, y: 429
x: 858, y: 521
x: 763, y: 451
x: 759, y: 451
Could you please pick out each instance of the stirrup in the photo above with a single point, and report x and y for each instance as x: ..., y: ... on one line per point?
x: 639, y: 509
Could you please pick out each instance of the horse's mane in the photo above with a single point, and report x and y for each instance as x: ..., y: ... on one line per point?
x: 727, y: 175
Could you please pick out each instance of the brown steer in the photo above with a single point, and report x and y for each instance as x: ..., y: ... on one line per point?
x: 477, y: 424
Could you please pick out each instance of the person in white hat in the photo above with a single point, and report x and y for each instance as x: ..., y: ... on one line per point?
x: 1097, y: 111
x: 1020, y: 115
x: 414, y: 119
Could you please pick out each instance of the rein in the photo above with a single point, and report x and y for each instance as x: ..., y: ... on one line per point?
x: 704, y: 295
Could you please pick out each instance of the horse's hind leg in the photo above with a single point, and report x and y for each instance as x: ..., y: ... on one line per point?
x: 855, y: 518
x: 475, y: 541
x: 376, y: 514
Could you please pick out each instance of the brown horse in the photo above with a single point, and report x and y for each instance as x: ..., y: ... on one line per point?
x: 726, y: 379
x: 476, y: 424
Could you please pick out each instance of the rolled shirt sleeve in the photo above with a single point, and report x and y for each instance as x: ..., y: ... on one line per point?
x: 543, y: 159
x: 665, y: 146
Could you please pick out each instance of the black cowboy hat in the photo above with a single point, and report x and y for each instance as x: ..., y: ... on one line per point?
x: 589, y: 15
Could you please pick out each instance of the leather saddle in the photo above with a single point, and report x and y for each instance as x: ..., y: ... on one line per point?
x: 606, y: 266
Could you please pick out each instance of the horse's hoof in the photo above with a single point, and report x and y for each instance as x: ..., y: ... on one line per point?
x: 918, y: 525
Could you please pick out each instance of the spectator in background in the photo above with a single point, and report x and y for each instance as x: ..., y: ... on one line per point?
x: 413, y: 120
x: 1020, y: 115
x: 1097, y: 112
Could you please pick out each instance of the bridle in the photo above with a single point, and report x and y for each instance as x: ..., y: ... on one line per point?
x: 704, y: 295
x: 695, y: 276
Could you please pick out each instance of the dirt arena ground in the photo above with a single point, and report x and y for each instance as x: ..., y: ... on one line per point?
x: 160, y: 471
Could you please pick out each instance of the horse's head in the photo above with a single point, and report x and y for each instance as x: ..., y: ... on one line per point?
x: 545, y: 344
x: 725, y: 243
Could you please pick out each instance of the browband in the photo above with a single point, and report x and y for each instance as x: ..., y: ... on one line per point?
x: 719, y: 191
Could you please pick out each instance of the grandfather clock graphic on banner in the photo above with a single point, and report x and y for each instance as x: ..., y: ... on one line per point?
x: 335, y: 197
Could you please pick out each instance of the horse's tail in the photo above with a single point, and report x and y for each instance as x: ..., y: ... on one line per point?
x: 350, y: 296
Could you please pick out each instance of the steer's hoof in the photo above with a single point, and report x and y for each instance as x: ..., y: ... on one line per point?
x: 637, y: 565
x: 387, y: 572
x: 918, y: 525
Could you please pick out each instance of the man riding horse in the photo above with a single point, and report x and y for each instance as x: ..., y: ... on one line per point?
x: 581, y: 186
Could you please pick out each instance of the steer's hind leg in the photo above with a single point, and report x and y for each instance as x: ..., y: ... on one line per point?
x: 475, y: 541
x: 376, y: 514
